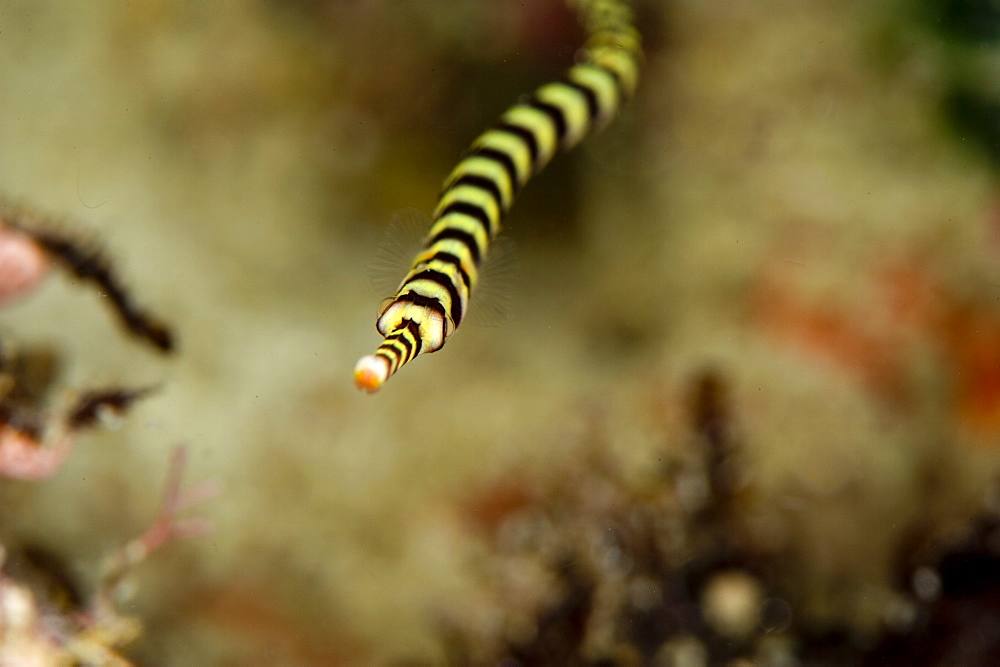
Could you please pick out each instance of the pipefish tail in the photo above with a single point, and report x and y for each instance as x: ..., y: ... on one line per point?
x: 431, y: 300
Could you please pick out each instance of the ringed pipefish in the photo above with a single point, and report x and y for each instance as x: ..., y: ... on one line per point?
x: 433, y: 297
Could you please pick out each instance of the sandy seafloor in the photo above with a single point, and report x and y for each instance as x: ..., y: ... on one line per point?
x: 240, y: 160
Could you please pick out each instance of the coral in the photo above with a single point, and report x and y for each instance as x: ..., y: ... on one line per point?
x: 27, y: 240
x: 33, y: 445
x: 42, y: 624
x: 909, y: 309
x: 588, y: 566
x: 38, y: 630
x: 23, y: 264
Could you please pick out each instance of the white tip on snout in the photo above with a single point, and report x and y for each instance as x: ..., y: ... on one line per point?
x: 371, y: 372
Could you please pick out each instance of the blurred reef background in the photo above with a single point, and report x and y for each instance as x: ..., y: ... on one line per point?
x: 747, y: 406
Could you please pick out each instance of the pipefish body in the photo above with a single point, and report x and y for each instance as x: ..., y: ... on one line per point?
x: 432, y: 299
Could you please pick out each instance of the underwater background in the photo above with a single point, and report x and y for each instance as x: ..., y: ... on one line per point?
x: 746, y: 405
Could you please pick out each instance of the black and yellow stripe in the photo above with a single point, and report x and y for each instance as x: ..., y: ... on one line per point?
x: 432, y: 299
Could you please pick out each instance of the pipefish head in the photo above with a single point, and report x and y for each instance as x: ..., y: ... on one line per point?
x: 411, y: 325
x: 424, y: 316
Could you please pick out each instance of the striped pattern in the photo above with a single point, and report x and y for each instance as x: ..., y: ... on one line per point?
x: 434, y: 296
